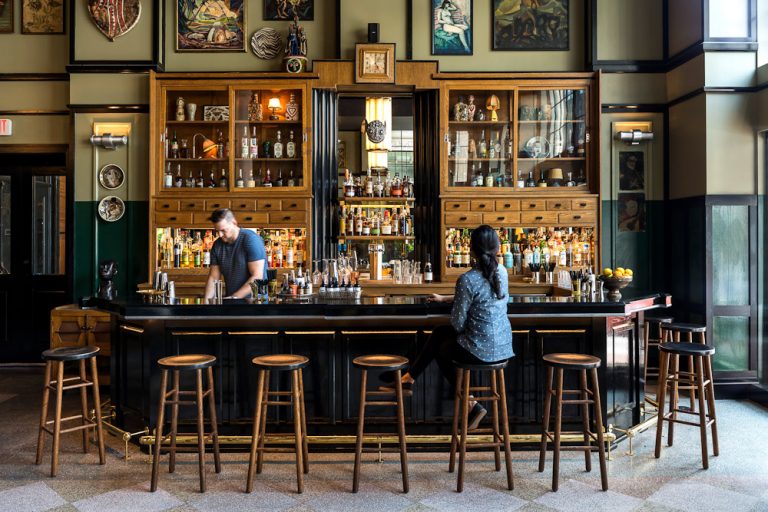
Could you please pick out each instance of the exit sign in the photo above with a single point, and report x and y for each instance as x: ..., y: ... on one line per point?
x: 6, y: 127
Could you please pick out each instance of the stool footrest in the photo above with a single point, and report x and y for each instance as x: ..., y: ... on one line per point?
x: 68, y: 418
x: 83, y: 384
x: 89, y: 424
x: 493, y: 398
x: 380, y: 403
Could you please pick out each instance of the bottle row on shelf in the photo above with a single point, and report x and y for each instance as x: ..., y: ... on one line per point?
x: 372, y: 187
x: 249, y: 180
x: 250, y: 147
x: 498, y: 176
x: 375, y: 221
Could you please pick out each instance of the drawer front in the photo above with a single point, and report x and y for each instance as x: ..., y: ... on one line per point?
x: 292, y: 205
x: 253, y: 218
x: 532, y: 204
x: 461, y: 219
x: 507, y: 205
x: 192, y: 205
x: 538, y: 217
x: 456, y: 206
x: 268, y: 204
x: 166, y: 206
x: 243, y: 205
x: 481, y: 206
x: 577, y: 217
x: 173, y: 218
x: 215, y: 204
x: 584, y: 204
x: 287, y: 217
x: 558, y: 204
x: 501, y: 219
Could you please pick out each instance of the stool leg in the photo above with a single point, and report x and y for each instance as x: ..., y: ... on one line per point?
x: 545, y: 419
x: 702, y: 413
x: 455, y: 429
x: 711, y: 404
x: 159, y: 429
x: 83, y: 404
x: 558, y: 425
x: 674, y: 398
x: 646, y: 342
x: 360, y: 428
x: 263, y: 426
x: 200, y: 428
x: 495, y: 412
x: 599, y: 429
x: 57, y: 419
x: 401, y: 430
x: 691, y: 378
x: 304, y: 441
x: 97, y: 407
x: 585, y: 420
x: 295, y: 398
x: 214, y: 421
x: 505, y: 430
x: 464, y: 423
x: 257, y: 418
x: 43, y: 413
x: 174, y: 422
x: 661, y: 396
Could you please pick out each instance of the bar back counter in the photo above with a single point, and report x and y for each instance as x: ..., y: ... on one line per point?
x: 331, y: 333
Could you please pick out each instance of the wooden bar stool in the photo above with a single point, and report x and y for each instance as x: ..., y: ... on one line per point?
x: 701, y: 374
x: 279, y: 363
x: 465, y: 393
x: 381, y: 362
x: 673, y: 332
x: 54, y: 364
x: 556, y: 364
x: 196, y: 363
x: 653, y: 335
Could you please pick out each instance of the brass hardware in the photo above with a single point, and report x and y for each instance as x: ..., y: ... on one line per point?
x: 309, y: 332
x: 130, y: 328
x: 251, y: 333
x: 196, y: 333
x: 633, y: 431
x: 569, y: 331
x: 380, y: 332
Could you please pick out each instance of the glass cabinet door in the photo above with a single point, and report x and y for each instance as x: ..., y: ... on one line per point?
x: 479, y: 138
x: 552, y: 138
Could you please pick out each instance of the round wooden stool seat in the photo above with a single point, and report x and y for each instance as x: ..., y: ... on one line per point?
x: 498, y: 365
x: 69, y: 353
x: 684, y: 327
x: 687, y: 349
x: 187, y: 362
x: 662, y: 319
x: 280, y: 362
x: 572, y: 361
x: 381, y: 361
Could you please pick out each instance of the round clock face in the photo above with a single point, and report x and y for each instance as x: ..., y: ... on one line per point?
x: 376, y: 131
x: 293, y: 65
x: 111, y: 176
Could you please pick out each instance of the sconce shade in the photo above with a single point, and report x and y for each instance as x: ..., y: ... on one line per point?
x: 556, y: 174
x: 274, y: 103
x: 210, y: 148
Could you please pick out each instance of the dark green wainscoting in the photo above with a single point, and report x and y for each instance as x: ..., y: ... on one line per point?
x: 124, y: 241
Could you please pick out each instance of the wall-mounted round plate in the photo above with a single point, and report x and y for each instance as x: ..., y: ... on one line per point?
x: 111, y: 208
x: 111, y: 176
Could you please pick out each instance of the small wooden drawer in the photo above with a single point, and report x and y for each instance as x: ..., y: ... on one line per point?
x: 287, y: 217
x: 253, y: 218
x: 215, y: 204
x: 507, y: 205
x: 538, y: 217
x: 558, y: 204
x: 166, y: 206
x: 462, y: 219
x: 294, y: 205
x: 584, y: 204
x: 268, y: 204
x: 501, y: 219
x: 192, y: 205
x: 532, y: 204
x: 243, y: 205
x: 481, y: 206
x: 577, y: 217
x: 456, y: 206
x: 173, y: 218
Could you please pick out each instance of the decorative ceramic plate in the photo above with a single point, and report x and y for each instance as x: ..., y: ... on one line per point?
x: 111, y: 176
x: 111, y: 208
x: 266, y: 43
x: 537, y: 147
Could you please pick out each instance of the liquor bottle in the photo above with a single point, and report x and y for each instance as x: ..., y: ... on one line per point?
x: 369, y: 184
x: 530, y: 182
x: 542, y: 180
x: 496, y: 146
x: 520, y: 180
x: 250, y: 182
x: 386, y: 225
x: 395, y: 221
x: 220, y: 145
x: 299, y: 256
x: 343, y: 220
x: 239, y: 183
x: 168, y: 177
x: 211, y: 180
x: 378, y: 188
x: 190, y: 183
x: 185, y: 260
x: 492, y: 149
x: 489, y: 181
x: 359, y: 223
x: 428, y: 270
x: 290, y: 146
x: 278, y: 255
x: 570, y: 182
x: 259, y: 178
x: 396, y: 189
x: 508, y: 257
x: 174, y: 146
x: 465, y: 255
x: 245, y: 144
x: 207, y: 244
x: 268, y: 178
x: 279, y: 180
x: 291, y: 179
x: 254, y: 145
x: 375, y: 225
x: 223, y: 180
x: 179, y: 180
x: 350, y: 222
x: 289, y: 253
x: 482, y: 149
x: 509, y: 147
x: 527, y: 257
x: 200, y: 183
x: 448, y: 253
x: 457, y: 259
x: 268, y: 250
x: 277, y: 148
x: 366, y: 225
x: 197, y: 251
x: 349, y: 185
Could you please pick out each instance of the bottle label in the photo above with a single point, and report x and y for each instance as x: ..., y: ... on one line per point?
x: 428, y: 277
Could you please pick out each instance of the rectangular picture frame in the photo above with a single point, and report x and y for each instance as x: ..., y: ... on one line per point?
x: 375, y: 63
x: 6, y: 17
x: 517, y: 29
x: 283, y: 10
x: 452, y: 27
x: 208, y: 35
x: 42, y: 17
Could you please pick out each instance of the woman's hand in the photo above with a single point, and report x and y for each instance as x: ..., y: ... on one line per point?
x: 436, y: 297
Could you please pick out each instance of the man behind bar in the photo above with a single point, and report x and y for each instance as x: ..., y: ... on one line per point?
x: 238, y: 255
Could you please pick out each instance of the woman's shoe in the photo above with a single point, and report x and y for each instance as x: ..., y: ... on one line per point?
x: 476, y: 415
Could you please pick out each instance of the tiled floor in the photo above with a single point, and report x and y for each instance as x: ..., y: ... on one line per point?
x: 736, y: 481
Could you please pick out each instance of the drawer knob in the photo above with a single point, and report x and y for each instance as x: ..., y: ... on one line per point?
x: 499, y: 218
x: 166, y: 206
x: 558, y: 205
x: 287, y: 217
x: 539, y: 217
x: 462, y: 218
x: 172, y: 219
x: 481, y: 206
x: 249, y: 218
x: 577, y: 217
x: 191, y: 205
x: 293, y: 205
x: 455, y: 205
x: 216, y: 205
x: 243, y: 205
x: 507, y: 205
x: 583, y: 205
x: 532, y: 205
x: 268, y: 205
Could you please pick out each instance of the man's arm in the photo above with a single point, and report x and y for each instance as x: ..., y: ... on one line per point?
x: 256, y: 271
x: 215, y: 273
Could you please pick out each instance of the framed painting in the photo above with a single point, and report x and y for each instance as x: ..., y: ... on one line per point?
x: 632, y: 170
x: 631, y: 212
x: 375, y: 63
x: 285, y: 9
x: 42, y: 16
x: 6, y: 16
x: 530, y: 25
x: 210, y: 25
x: 452, y: 27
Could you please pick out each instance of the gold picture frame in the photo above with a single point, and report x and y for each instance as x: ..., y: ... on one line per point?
x: 375, y: 63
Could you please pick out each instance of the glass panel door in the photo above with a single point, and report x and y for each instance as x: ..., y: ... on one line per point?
x: 48, y: 221
x: 5, y: 224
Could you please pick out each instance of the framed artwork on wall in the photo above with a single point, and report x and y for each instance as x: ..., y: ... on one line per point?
x: 6, y: 16
x: 452, y: 27
x: 114, y: 20
x: 375, y: 63
x: 631, y: 211
x: 632, y: 171
x: 535, y: 25
x: 210, y: 25
x: 284, y: 9
x: 42, y: 16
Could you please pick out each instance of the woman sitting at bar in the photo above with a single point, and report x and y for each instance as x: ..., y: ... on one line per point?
x: 479, y: 331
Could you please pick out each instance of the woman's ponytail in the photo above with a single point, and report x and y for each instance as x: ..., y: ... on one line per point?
x: 485, y: 245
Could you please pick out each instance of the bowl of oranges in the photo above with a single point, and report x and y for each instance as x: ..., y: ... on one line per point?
x: 616, y: 279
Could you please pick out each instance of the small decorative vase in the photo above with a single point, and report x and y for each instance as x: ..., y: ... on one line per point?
x: 255, y: 109
x: 471, y: 108
x: 180, y: 109
x: 292, y: 109
x: 191, y: 111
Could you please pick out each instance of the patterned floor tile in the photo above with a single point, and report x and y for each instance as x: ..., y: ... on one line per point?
x: 30, y: 498
x: 136, y: 498
x: 473, y: 496
x: 233, y: 501
x: 574, y: 496
x: 694, y: 497
x: 369, y: 500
